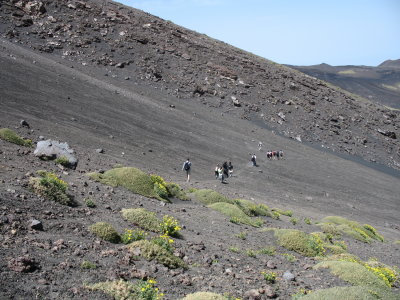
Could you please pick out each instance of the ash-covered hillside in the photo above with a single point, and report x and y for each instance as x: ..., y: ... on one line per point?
x: 380, y: 84
x: 129, y: 44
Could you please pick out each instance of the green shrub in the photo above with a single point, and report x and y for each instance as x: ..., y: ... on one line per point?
x: 105, y: 231
x: 342, y: 292
x: 252, y: 209
x: 251, y: 253
x: 307, y: 221
x: 170, y: 226
x: 294, y: 221
x: 288, y: 213
x: 354, y: 273
x: 242, y: 235
x: 48, y: 185
x: 276, y: 215
x: 150, y: 251
x: 164, y: 241
x: 130, y: 236
x: 124, y: 290
x: 10, y: 136
x: 62, y: 160
x: 234, y: 249
x: 143, y: 218
x: 90, y: 203
x: 269, y: 277
x: 161, y: 190
x: 204, y: 296
x: 271, y: 251
x: 174, y: 190
x: 235, y: 213
x: 301, y: 242
x: 208, y: 197
x: 88, y: 265
x: 339, y: 225
x: 132, y: 179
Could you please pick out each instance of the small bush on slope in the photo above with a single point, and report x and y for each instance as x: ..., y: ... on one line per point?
x: 174, y: 190
x: 339, y: 225
x: 340, y: 293
x: 151, y: 251
x: 105, y: 231
x: 130, y: 178
x: 252, y: 209
x: 359, y: 275
x: 208, y: 197
x: 143, y: 218
x: 204, y: 296
x: 124, y: 290
x: 10, y: 136
x: 235, y: 213
x: 301, y: 242
x: 48, y: 185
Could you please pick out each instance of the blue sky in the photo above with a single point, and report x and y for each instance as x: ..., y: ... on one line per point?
x: 298, y: 32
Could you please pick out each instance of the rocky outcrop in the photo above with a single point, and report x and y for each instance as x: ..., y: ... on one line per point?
x: 50, y: 149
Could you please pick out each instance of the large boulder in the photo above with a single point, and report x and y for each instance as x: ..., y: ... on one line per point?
x: 50, y: 149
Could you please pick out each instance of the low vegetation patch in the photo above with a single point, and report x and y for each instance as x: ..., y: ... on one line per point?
x: 204, y: 296
x: 170, y: 226
x: 132, y: 235
x: 62, y: 160
x: 125, y: 290
x: 208, y: 197
x: 377, y: 277
x: 105, y: 231
x: 130, y: 178
x: 49, y: 186
x: 89, y: 202
x: 10, y: 136
x: 341, y: 226
x: 236, y: 214
x: 252, y: 209
x: 150, y: 251
x: 143, y: 218
x: 342, y: 292
x: 288, y: 213
x: 88, y: 265
x: 175, y: 191
x: 301, y: 242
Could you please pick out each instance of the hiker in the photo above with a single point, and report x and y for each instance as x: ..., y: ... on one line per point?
x: 277, y: 155
x: 281, y: 154
x: 216, y: 171
x: 186, y: 166
x: 225, y: 169
x: 259, y: 145
x: 221, y: 174
x: 230, y: 168
x: 253, y: 160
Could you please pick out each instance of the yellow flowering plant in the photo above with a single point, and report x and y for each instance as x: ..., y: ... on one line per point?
x: 146, y: 290
x: 169, y: 226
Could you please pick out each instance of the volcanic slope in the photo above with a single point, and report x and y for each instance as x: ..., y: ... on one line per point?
x: 147, y: 124
x: 130, y: 47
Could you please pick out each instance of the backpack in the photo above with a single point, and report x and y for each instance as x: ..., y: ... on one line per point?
x: 187, y: 166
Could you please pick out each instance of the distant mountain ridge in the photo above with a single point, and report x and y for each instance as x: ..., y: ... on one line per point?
x: 380, y: 84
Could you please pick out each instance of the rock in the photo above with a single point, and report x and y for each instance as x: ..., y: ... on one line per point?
x: 288, y: 276
x: 120, y: 65
x: 23, y: 264
x: 390, y: 134
x: 235, y: 101
x: 252, y: 295
x: 281, y: 115
x: 24, y: 123
x: 36, y: 225
x: 269, y: 292
x: 271, y: 264
x: 50, y: 149
x: 100, y: 150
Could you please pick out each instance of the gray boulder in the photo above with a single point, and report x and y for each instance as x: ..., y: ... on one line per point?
x: 50, y: 149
